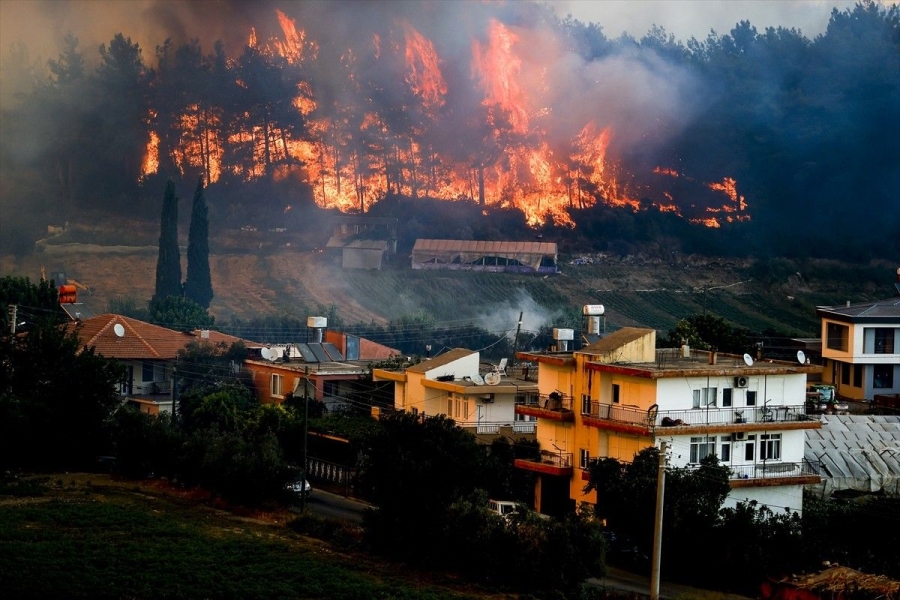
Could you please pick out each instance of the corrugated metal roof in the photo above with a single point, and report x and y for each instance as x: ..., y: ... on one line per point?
x: 483, y: 247
x: 857, y: 452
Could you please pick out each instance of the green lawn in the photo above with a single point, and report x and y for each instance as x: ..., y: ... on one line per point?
x: 96, y: 547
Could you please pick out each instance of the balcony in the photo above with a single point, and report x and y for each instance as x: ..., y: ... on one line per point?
x: 630, y: 419
x: 773, y: 473
x: 555, y: 406
x: 738, y: 419
x: 525, y: 426
x: 547, y: 463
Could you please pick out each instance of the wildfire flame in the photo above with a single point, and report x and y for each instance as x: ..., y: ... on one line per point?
x: 352, y: 156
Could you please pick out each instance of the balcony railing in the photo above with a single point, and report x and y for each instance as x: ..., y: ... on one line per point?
x: 525, y: 426
x: 551, y: 401
x: 561, y: 460
x: 698, y: 416
x: 487, y: 429
x: 775, y: 469
x: 727, y: 416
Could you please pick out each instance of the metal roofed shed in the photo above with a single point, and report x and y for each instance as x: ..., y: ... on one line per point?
x: 517, y: 257
x: 857, y: 452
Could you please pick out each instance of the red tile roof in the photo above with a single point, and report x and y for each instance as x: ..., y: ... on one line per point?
x: 141, y: 341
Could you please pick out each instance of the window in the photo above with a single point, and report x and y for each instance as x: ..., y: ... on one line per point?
x: 726, y: 397
x: 147, y: 371
x: 585, y: 404
x: 584, y: 458
x: 857, y: 376
x: 749, y: 448
x: 751, y: 398
x: 845, y: 374
x: 331, y: 388
x: 770, y: 446
x: 883, y: 376
x: 615, y: 393
x: 701, y: 447
x: 526, y: 418
x: 277, y: 385
x: 837, y: 336
x: 705, y: 397
x: 449, y: 412
x: 884, y: 340
x: 725, y: 454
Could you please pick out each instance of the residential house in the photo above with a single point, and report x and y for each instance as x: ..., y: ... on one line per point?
x: 619, y: 395
x: 861, y: 348
x: 316, y: 370
x: 454, y: 384
x: 146, y: 351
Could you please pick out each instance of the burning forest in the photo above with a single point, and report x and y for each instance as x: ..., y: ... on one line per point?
x: 502, y: 105
x: 397, y: 113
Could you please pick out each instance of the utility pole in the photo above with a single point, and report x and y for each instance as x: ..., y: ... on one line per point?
x: 516, y: 342
x: 13, y: 311
x: 305, y: 437
x: 657, y: 525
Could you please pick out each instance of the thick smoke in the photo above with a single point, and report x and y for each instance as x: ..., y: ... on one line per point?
x: 639, y: 95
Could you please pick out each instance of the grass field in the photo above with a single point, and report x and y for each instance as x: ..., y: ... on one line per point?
x: 105, y: 539
x: 255, y: 274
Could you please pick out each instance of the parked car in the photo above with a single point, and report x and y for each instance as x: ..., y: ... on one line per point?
x: 822, y: 400
x: 300, y: 489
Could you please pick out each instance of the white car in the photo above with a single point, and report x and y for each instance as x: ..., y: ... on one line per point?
x: 300, y: 488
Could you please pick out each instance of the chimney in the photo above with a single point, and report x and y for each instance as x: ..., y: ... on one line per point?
x: 712, y: 357
x: 685, y: 351
x: 204, y: 334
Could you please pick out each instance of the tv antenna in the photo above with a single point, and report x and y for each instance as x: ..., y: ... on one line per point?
x: 748, y: 360
x: 801, y: 357
x: 119, y: 330
x: 266, y: 353
x: 492, y: 378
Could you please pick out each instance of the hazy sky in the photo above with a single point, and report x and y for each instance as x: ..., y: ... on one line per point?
x: 42, y: 24
x: 695, y: 18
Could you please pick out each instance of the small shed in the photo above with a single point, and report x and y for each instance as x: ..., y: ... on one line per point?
x: 363, y: 254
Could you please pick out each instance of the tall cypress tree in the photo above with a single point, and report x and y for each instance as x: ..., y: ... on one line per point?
x: 198, y: 285
x: 168, y: 265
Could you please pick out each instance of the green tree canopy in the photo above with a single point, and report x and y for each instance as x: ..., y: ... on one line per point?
x: 168, y: 265
x: 198, y: 285
x: 56, y: 398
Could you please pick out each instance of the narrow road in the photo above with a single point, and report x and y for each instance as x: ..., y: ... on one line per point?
x: 623, y: 581
x: 334, y: 506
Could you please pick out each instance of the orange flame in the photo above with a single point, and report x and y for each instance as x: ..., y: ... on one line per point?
x: 424, y: 78
x: 513, y: 164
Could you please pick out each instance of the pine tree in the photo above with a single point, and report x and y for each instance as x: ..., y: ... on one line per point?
x: 168, y: 266
x: 198, y: 286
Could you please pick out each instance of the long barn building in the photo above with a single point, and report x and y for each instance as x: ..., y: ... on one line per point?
x: 468, y: 255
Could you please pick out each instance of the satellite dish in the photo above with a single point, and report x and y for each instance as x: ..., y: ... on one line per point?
x: 119, y: 330
x: 492, y: 378
x: 477, y: 380
x: 801, y: 357
x: 266, y: 353
x: 748, y: 360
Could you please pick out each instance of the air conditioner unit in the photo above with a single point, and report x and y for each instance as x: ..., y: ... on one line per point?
x: 739, y: 435
x: 740, y: 382
x: 487, y: 399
